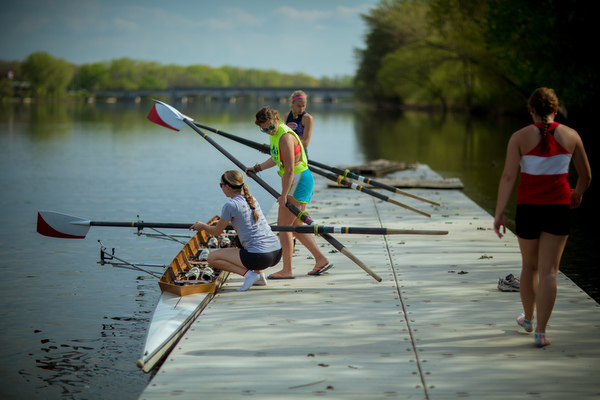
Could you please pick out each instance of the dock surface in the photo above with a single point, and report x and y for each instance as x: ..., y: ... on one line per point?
x: 436, y: 327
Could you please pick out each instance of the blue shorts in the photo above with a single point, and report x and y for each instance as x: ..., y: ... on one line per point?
x: 302, y: 186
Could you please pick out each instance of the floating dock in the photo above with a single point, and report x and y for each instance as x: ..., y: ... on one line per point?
x: 436, y: 327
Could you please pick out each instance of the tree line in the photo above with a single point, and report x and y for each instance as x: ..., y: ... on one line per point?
x: 478, y: 54
x: 48, y: 76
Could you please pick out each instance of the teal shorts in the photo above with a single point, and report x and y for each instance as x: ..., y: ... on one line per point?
x: 302, y: 186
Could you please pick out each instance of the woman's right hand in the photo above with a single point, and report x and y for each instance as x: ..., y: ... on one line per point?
x: 255, y: 169
x: 198, y: 226
x: 282, y: 200
x: 500, y: 222
x: 575, y: 199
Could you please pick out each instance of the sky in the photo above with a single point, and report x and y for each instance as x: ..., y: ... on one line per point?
x: 316, y: 37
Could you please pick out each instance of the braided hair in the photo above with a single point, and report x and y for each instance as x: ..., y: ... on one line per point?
x: 545, y: 102
x: 235, y: 180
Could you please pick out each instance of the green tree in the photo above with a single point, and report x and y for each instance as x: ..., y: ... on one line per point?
x: 478, y: 54
x: 124, y: 74
x: 92, y: 77
x: 49, y: 76
x: 151, y: 75
x: 547, y: 44
x: 381, y: 40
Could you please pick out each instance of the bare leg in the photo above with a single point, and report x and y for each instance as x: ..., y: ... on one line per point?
x: 285, y: 217
x: 529, y: 275
x: 227, y: 259
x: 308, y: 240
x: 550, y: 252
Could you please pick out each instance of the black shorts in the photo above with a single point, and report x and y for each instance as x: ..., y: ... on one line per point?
x: 258, y: 261
x: 533, y: 219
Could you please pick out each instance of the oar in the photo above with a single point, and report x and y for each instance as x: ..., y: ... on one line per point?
x: 165, y: 114
x: 347, y: 173
x: 369, y: 181
x: 54, y: 224
x: 341, y: 180
x: 345, y: 182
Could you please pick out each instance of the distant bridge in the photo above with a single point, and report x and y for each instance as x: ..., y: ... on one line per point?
x: 231, y: 94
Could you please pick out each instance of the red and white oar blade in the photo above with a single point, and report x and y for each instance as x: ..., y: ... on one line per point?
x: 167, y: 116
x: 63, y: 226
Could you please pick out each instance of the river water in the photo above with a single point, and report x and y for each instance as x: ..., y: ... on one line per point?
x: 73, y: 329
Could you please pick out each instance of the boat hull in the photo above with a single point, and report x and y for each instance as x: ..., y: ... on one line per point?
x: 172, y: 317
x: 180, y: 302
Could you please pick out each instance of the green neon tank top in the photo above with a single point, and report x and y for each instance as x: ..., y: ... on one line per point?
x: 274, y: 141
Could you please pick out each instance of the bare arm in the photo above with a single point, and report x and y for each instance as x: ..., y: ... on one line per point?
x: 507, y: 183
x: 584, y: 173
x: 307, y: 122
x: 286, y: 149
x: 213, y: 230
x: 269, y: 163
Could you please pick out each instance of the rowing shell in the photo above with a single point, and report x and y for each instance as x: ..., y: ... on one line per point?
x: 179, y: 305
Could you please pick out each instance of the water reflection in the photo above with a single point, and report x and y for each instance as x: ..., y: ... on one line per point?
x: 78, y: 368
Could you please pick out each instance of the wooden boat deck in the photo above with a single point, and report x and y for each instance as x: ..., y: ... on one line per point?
x: 436, y: 327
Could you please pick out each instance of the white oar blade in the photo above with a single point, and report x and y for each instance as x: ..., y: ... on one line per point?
x: 167, y: 116
x: 63, y: 226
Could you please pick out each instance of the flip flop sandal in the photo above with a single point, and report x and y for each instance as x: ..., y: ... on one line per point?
x: 319, y: 271
x: 277, y: 275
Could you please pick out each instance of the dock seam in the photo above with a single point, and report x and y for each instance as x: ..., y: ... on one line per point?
x: 406, y: 319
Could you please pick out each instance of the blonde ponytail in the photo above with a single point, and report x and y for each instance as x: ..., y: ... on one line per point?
x: 250, y: 201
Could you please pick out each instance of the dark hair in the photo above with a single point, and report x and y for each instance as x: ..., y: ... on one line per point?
x: 545, y: 102
x: 235, y: 180
x: 267, y: 114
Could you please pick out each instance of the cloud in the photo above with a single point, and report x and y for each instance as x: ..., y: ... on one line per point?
x: 310, y: 16
x: 124, y: 25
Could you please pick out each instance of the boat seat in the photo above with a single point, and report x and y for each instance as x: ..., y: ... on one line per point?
x: 181, y: 262
x: 189, y: 251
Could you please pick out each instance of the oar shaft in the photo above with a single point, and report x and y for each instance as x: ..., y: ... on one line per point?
x: 142, y: 225
x: 265, y: 149
x: 347, y: 183
x: 339, y: 179
x: 373, y: 182
x: 409, y: 208
x: 314, y: 228
x: 318, y: 229
x: 295, y: 210
x: 257, y: 146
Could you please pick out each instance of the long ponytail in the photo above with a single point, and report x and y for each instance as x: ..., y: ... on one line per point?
x: 250, y: 201
x: 235, y: 179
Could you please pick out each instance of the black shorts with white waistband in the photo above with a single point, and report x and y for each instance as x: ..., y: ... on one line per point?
x: 533, y: 219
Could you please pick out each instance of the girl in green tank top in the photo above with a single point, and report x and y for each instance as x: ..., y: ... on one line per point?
x: 287, y: 153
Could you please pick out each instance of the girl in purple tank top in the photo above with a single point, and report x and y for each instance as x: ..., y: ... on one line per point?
x: 298, y: 119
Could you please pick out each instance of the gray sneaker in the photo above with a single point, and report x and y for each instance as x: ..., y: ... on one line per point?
x: 510, y: 283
